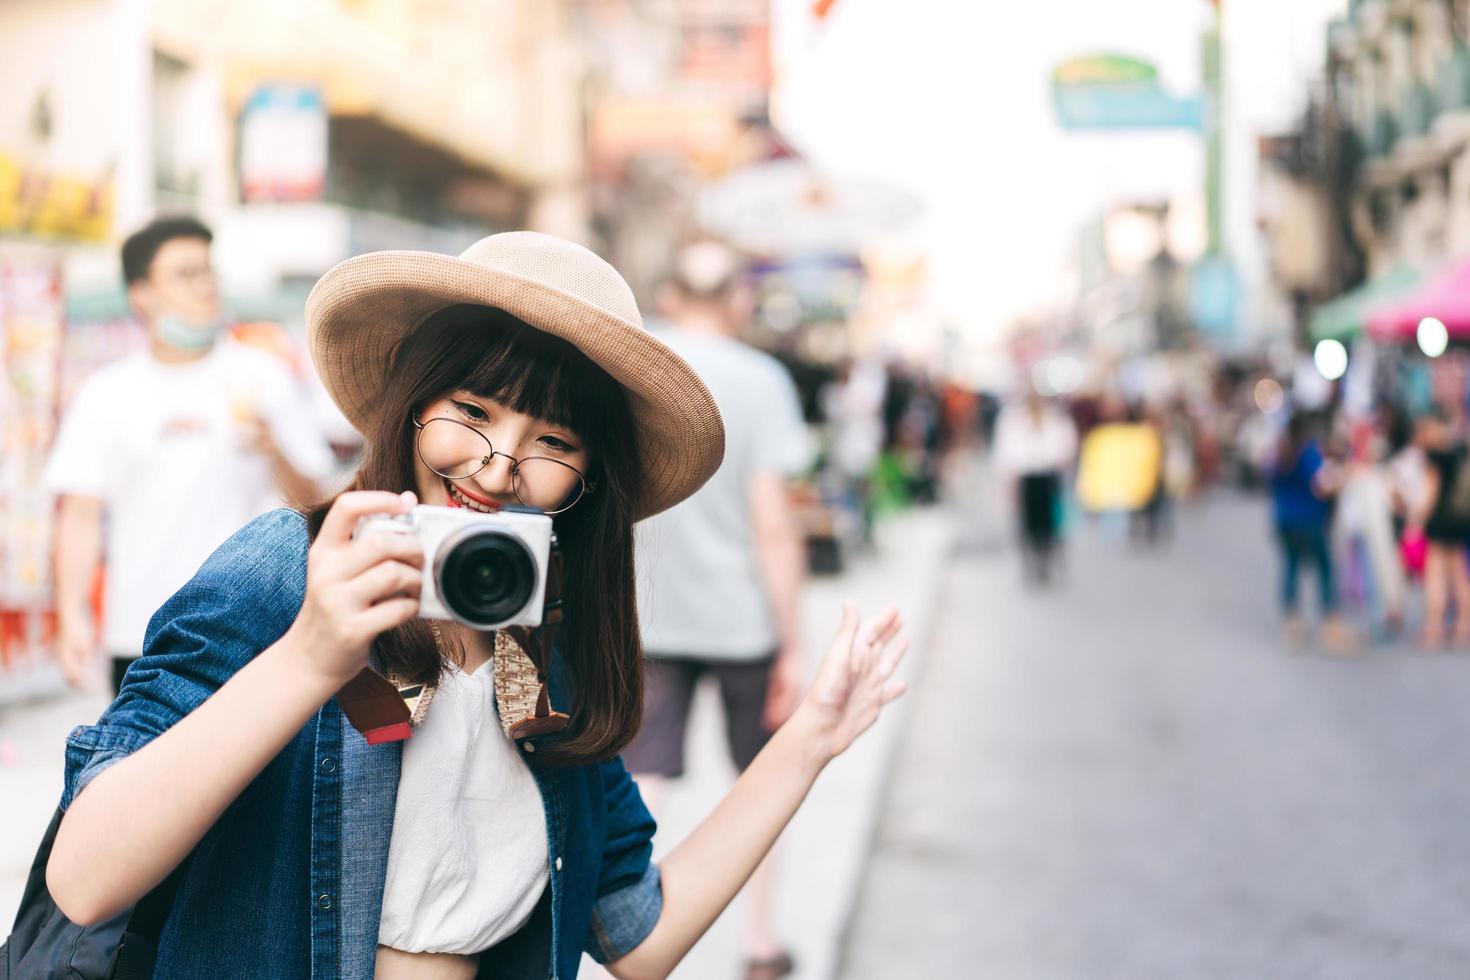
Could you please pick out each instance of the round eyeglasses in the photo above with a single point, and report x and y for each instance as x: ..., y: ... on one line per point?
x: 456, y: 451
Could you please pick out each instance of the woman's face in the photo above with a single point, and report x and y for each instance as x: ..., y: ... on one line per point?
x: 473, y: 452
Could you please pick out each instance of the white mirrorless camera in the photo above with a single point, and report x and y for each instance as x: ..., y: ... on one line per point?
x: 484, y: 570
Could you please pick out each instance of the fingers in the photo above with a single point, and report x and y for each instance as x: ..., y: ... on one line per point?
x: 373, y: 549
x: 892, y: 691
x: 353, y: 506
x: 389, y: 578
x: 388, y: 614
x: 884, y: 626
x: 890, y: 658
x: 871, y: 638
x: 848, y: 628
x: 842, y: 641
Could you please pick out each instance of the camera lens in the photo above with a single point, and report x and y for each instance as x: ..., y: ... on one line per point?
x: 485, y: 576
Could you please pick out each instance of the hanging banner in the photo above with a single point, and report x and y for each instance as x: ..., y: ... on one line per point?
x: 283, y: 144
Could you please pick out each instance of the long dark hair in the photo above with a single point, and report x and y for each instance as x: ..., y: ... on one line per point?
x: 495, y: 355
x: 1293, y: 441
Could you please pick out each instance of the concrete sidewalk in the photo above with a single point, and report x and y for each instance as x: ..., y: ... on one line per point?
x: 32, y: 739
x: 822, y: 853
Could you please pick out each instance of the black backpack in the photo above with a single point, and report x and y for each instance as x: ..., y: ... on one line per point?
x: 45, y: 945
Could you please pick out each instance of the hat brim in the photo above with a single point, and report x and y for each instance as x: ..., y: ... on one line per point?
x: 364, y: 306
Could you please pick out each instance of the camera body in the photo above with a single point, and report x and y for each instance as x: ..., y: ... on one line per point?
x: 487, y: 571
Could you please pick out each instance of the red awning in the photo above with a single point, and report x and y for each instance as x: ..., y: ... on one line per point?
x: 1445, y: 296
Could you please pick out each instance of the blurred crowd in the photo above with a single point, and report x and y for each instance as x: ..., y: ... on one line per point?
x: 1379, y: 507
x: 1372, y: 505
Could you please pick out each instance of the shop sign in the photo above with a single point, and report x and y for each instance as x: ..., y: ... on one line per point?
x: 63, y: 207
x: 1112, y: 91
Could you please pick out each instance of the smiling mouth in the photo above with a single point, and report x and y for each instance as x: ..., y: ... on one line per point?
x: 459, y: 499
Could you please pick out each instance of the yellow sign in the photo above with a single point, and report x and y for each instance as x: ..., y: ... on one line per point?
x: 1119, y: 467
x: 35, y: 203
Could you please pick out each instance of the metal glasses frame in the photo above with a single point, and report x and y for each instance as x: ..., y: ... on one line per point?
x: 515, y: 464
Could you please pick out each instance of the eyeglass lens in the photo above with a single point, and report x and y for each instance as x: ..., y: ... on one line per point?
x: 457, y: 451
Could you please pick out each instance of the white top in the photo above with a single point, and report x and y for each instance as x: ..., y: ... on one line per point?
x: 160, y: 445
x: 467, y: 861
x: 1025, y: 445
x: 700, y: 591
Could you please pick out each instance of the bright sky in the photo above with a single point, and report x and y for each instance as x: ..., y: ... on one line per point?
x: 951, y: 100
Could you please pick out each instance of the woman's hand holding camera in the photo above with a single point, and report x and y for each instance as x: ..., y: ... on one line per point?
x: 854, y: 681
x: 356, y: 588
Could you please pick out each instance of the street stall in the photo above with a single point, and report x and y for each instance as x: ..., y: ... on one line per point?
x: 1423, y: 336
x: 32, y: 315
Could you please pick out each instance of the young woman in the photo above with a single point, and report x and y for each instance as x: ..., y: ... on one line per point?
x: 516, y: 373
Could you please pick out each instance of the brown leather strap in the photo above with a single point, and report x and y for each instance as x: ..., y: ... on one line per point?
x: 374, y: 707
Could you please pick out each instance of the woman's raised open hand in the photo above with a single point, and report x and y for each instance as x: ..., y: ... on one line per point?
x: 855, y: 679
x: 356, y: 588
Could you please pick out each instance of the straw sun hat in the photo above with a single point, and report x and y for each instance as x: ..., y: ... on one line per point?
x: 361, y: 308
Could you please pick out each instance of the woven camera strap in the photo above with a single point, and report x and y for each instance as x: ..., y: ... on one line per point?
x: 538, y: 644
x: 385, y: 709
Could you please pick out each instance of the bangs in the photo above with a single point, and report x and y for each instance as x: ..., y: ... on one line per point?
x: 495, y: 355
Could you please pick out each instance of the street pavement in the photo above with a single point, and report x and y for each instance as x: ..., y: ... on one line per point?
x: 1130, y: 776
x: 821, y: 853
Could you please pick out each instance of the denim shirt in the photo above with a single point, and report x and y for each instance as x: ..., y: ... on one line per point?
x: 288, y: 883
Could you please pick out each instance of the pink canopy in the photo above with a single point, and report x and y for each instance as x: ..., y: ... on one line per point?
x: 1446, y: 296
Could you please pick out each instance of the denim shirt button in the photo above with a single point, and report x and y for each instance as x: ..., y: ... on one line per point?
x: 324, y: 902
x: 329, y: 764
x: 558, y: 864
x: 529, y: 746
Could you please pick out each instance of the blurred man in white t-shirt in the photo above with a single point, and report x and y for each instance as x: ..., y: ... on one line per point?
x: 720, y: 574
x: 164, y: 454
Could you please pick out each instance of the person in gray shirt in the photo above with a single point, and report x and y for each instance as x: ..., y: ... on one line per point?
x: 720, y: 575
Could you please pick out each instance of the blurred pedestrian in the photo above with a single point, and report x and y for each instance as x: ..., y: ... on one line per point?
x: 1302, y: 484
x: 166, y: 453
x: 1408, y: 470
x: 1035, y: 446
x: 1446, y: 524
x: 721, y: 574
x: 1152, y: 522
x: 854, y: 409
x: 1364, y: 520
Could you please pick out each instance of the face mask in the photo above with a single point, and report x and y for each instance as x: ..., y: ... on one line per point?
x: 179, y: 332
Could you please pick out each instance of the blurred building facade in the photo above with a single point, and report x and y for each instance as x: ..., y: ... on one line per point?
x: 677, y: 95
x: 304, y: 131
x: 1376, y: 178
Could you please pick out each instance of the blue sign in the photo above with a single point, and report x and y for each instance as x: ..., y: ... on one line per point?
x: 1214, y: 295
x: 1136, y: 105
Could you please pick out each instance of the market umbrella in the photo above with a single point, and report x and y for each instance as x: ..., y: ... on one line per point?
x: 1445, y: 296
x: 1345, y: 317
